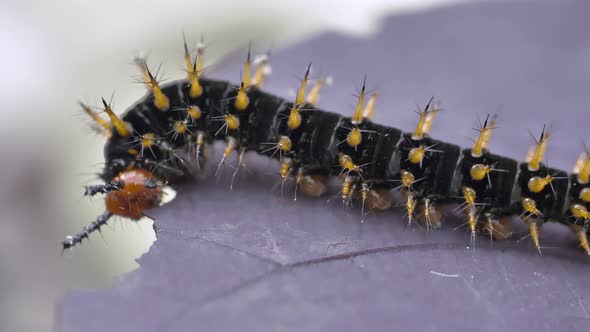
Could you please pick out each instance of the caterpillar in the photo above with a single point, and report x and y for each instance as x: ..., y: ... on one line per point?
x: 166, y: 137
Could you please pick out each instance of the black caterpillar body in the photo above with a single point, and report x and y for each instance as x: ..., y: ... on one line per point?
x: 381, y: 158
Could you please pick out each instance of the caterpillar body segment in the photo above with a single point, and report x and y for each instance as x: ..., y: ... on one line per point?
x: 578, y: 201
x: 433, y: 173
x: 152, y: 138
x: 488, y: 195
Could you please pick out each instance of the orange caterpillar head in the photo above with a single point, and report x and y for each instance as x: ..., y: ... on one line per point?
x: 128, y: 195
x: 139, y: 190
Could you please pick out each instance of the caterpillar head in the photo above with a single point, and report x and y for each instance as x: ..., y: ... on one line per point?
x: 140, y: 191
x: 129, y: 194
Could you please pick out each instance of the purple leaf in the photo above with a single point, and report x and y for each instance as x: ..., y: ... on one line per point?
x: 251, y: 259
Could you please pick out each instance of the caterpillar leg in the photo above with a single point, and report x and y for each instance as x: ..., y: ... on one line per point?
x: 312, y: 185
x: 379, y: 199
x: 498, y: 228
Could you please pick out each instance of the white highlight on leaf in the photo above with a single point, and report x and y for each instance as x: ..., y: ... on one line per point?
x: 444, y: 274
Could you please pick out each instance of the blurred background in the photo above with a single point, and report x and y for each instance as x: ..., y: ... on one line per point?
x: 59, y: 52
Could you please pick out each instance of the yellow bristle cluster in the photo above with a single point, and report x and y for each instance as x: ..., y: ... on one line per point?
x: 242, y: 101
x: 232, y: 122
x: 539, y: 151
x: 314, y: 93
x: 579, y: 211
x: 300, y: 99
x: 263, y: 69
x: 357, y: 117
x: 416, y: 155
x: 530, y: 206
x: 231, y: 145
x: 485, y: 133
x: 193, y: 70
x: 582, y: 168
x: 370, y: 107
x: 122, y: 127
x: 429, y: 120
x: 354, y: 137
x: 410, y: 205
x: 161, y: 101
x: 180, y: 127
x: 479, y: 171
x: 196, y: 89
x: 294, y: 120
x: 141, y: 64
x: 102, y: 123
x: 194, y: 112
x: 469, y: 195
x: 537, y: 184
x: 423, y: 122
x: 284, y: 144
x: 534, y: 231
x: 285, y: 168
x: 188, y: 62
x: 472, y: 222
x: 247, y: 70
x: 407, y: 178
x: 147, y: 140
x: 583, y: 238
x: 361, y: 112
x: 347, y: 163
x: 346, y: 189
